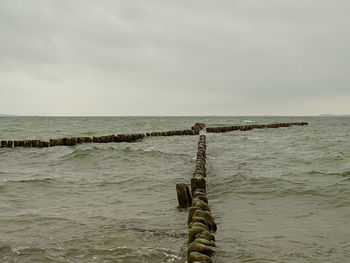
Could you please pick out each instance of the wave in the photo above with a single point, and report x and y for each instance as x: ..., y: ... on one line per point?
x: 334, y: 191
x: 346, y: 174
x: 32, y: 218
x: 11, y: 130
x: 38, y: 180
x: 4, y: 249
x: 342, y: 174
x: 79, y: 153
x: 82, y: 250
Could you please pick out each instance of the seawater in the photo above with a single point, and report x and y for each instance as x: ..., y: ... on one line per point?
x: 278, y: 195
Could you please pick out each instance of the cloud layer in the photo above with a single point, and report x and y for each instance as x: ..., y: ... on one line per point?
x: 174, y: 57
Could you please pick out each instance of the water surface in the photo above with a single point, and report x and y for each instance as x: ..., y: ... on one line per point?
x: 278, y: 195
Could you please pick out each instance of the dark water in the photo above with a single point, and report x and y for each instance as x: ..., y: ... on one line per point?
x: 278, y: 195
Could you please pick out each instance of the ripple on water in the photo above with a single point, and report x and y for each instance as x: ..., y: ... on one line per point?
x: 278, y: 195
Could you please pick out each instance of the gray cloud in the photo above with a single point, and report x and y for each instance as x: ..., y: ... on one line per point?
x: 174, y: 57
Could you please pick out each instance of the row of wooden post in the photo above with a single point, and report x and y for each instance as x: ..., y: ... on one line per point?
x: 201, y: 241
x: 194, y: 131
x: 71, y: 141
x: 170, y: 133
x: 253, y: 126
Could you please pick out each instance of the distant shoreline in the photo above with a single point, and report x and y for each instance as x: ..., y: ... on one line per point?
x: 187, y: 116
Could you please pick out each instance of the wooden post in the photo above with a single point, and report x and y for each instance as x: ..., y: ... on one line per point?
x: 183, y: 195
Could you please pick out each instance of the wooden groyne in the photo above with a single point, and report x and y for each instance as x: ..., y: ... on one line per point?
x: 201, y: 241
x: 72, y: 141
x: 170, y: 133
x: 194, y: 131
x: 253, y: 126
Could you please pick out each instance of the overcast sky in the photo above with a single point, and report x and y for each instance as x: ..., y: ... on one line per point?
x: 262, y: 57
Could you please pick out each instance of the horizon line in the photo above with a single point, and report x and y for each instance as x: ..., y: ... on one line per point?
x: 213, y: 115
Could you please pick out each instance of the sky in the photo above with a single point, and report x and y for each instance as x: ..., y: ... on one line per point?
x: 160, y: 57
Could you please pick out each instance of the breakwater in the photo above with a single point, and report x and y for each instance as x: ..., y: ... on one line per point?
x: 253, y: 126
x: 72, y: 141
x: 201, y: 241
x: 134, y: 137
x: 170, y: 133
x: 195, y: 129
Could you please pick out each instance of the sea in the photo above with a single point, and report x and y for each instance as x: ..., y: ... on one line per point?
x: 277, y: 195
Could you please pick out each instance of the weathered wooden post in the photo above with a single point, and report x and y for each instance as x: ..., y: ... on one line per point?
x: 183, y: 195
